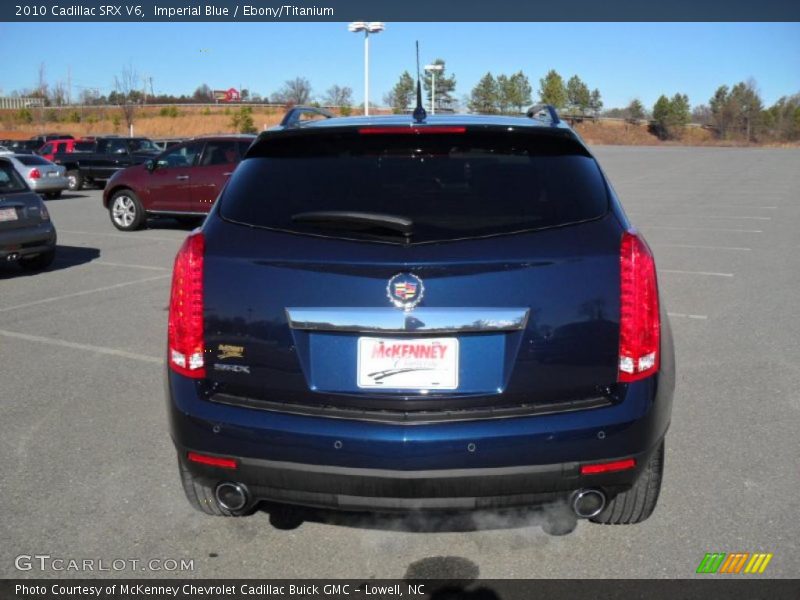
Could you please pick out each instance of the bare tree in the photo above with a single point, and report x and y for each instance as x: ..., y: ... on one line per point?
x: 294, y: 91
x: 127, y: 87
x: 338, y: 96
x: 41, y: 88
x: 58, y: 94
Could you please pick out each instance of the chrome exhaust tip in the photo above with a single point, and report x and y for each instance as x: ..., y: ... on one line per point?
x: 13, y: 257
x: 588, y: 503
x: 231, y: 496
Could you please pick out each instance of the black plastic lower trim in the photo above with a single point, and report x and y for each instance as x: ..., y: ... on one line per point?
x: 411, y: 417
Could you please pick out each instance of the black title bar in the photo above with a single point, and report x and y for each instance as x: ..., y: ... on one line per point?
x: 402, y: 10
x: 711, y: 587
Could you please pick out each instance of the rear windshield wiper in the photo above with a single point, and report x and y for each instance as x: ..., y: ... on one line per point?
x: 358, y: 220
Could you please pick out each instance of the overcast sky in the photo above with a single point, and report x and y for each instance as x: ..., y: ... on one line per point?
x: 624, y: 61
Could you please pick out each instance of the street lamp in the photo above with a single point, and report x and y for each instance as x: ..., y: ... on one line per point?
x: 432, y: 70
x: 367, y: 28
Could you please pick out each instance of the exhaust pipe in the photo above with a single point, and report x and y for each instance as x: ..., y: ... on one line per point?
x: 14, y: 256
x: 231, y: 496
x: 588, y: 503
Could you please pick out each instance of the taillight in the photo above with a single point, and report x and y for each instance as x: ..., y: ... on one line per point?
x: 34, y: 174
x: 640, y: 324
x: 185, y: 337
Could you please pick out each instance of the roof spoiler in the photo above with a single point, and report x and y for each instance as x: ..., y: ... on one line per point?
x: 292, y: 116
x: 544, y: 112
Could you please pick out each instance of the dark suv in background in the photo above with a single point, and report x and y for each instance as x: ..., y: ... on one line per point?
x: 183, y: 181
x: 395, y: 314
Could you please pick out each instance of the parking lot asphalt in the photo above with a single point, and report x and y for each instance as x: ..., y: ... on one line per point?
x: 89, y: 472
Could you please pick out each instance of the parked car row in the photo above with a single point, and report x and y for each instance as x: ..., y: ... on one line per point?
x: 142, y: 178
x: 89, y: 160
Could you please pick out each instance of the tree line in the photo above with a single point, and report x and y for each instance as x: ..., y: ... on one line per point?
x: 735, y: 112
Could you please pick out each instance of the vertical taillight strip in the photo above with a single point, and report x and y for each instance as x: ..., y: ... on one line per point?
x: 640, y: 322
x: 186, y: 344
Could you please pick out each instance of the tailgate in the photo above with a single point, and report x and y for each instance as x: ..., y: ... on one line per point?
x: 523, y: 319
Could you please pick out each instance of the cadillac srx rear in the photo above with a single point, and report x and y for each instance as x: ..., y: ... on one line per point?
x: 387, y: 314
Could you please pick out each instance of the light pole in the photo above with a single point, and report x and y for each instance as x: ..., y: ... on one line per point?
x: 432, y: 70
x: 367, y: 28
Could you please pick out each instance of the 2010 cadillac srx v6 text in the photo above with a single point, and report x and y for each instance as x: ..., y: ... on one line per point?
x: 397, y: 313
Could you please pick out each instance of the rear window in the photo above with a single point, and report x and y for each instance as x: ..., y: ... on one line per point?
x: 32, y: 160
x: 10, y: 181
x: 451, y: 186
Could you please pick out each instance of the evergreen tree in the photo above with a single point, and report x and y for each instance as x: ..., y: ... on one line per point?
x: 401, y: 98
x: 445, y: 87
x: 484, y: 96
x: 552, y: 89
x: 520, y: 91
x: 635, y: 111
x: 578, y: 95
x: 596, y: 102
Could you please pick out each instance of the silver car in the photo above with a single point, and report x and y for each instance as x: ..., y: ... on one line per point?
x: 27, y: 235
x: 41, y: 175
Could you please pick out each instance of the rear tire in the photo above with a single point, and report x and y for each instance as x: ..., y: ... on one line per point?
x: 638, y: 503
x: 38, y: 262
x: 75, y: 180
x: 126, y: 212
x: 200, y: 495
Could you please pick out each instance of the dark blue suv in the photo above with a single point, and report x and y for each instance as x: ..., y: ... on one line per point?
x: 394, y: 314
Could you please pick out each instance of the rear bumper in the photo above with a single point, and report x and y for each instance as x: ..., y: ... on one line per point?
x: 345, y: 488
x: 49, y: 184
x: 27, y: 241
x: 356, y: 465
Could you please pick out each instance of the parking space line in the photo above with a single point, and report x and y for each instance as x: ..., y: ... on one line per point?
x: 86, y: 347
x: 83, y: 293
x: 709, y: 273
x: 690, y: 206
x: 687, y: 316
x: 688, y: 216
x: 127, y: 236
x: 103, y: 263
x: 702, y: 229
x: 702, y: 247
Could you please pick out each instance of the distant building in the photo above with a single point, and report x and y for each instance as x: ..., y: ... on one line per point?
x: 229, y: 95
x: 7, y: 102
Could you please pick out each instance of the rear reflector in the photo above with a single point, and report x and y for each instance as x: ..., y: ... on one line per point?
x: 212, y: 461
x: 609, y: 467
x: 430, y: 129
x: 185, y: 332
x: 640, y: 323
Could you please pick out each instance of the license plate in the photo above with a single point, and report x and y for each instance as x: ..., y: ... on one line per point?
x: 420, y: 363
x: 8, y: 214
x: 53, y: 174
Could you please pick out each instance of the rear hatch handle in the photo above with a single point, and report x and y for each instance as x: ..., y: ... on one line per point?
x: 390, y: 320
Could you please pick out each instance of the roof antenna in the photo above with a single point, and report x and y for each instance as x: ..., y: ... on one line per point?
x: 419, y: 113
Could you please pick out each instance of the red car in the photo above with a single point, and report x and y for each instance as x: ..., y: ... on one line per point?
x: 183, y: 181
x: 51, y: 148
